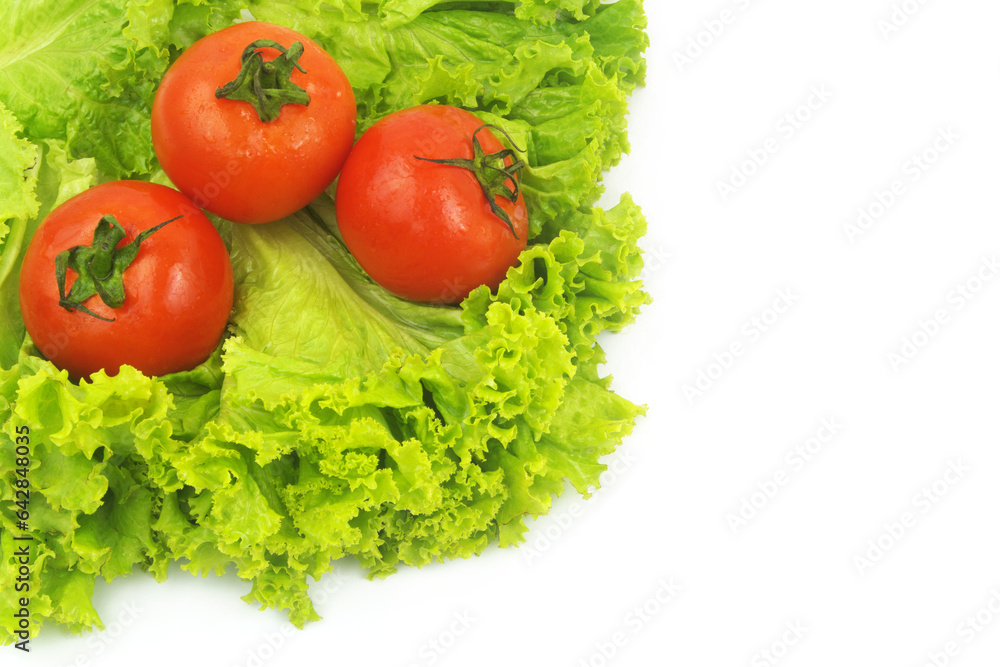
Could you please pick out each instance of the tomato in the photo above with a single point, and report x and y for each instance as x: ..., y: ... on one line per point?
x: 178, y: 289
x: 427, y: 231
x: 220, y: 152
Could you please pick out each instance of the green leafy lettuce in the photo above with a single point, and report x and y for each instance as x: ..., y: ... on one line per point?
x: 335, y: 419
x: 85, y: 72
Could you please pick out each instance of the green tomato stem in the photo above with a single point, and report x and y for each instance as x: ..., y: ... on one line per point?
x: 100, y: 266
x: 492, y: 178
x: 267, y: 86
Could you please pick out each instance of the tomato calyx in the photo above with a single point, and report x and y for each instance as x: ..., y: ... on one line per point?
x: 99, y: 267
x: 267, y: 86
x: 491, y: 172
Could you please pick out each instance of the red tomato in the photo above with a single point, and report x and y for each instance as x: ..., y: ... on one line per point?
x: 221, y: 154
x: 426, y: 231
x: 178, y: 290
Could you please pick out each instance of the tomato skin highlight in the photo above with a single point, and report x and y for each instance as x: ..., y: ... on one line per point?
x: 178, y: 290
x: 219, y: 152
x: 425, y: 231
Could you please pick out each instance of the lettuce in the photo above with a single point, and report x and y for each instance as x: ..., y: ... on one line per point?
x: 19, y: 161
x: 335, y: 419
x: 36, y: 180
x: 85, y: 72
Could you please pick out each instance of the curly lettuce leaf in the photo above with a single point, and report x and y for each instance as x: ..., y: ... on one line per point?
x: 170, y: 26
x: 394, y: 13
x: 85, y: 72
x: 42, y: 177
x: 99, y: 476
x: 355, y: 322
x: 18, y: 175
x: 58, y: 75
x: 18, y: 159
x: 90, y: 506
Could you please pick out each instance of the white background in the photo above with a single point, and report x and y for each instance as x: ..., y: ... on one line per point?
x: 846, y: 551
